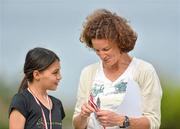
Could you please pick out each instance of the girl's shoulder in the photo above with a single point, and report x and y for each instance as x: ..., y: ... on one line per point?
x: 25, y: 95
x: 20, y: 102
x: 55, y: 100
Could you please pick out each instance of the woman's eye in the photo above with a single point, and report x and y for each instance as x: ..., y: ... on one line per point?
x: 96, y: 50
x: 106, y: 49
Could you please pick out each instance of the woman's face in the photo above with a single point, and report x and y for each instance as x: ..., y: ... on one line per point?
x: 107, y: 51
x: 50, y: 77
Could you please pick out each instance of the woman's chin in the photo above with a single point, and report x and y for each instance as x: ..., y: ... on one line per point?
x: 108, y: 64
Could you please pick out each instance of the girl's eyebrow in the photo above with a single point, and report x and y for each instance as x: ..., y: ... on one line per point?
x: 56, y: 69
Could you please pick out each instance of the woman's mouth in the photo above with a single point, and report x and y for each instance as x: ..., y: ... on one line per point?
x: 106, y: 60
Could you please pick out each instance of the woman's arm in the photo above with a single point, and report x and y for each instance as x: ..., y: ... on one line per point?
x: 109, y: 119
x: 80, y: 121
x: 16, y: 120
x: 151, y: 92
x: 139, y: 123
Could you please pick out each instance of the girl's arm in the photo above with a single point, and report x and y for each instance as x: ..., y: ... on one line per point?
x: 16, y: 120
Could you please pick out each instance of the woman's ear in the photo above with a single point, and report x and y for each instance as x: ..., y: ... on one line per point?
x: 36, y: 75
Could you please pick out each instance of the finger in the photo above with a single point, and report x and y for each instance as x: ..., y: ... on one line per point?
x: 101, y: 113
x: 86, y: 110
x: 84, y: 114
x: 102, y: 118
x: 104, y: 123
x: 90, y: 108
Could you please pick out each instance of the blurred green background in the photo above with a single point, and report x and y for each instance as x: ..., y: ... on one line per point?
x: 170, y: 107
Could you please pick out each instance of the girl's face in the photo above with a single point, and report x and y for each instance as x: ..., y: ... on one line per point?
x: 50, y: 77
x: 107, y: 51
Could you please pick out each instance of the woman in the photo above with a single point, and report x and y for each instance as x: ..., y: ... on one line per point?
x: 120, y: 91
x: 32, y: 107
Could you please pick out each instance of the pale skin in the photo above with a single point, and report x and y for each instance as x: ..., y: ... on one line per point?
x: 42, y: 81
x: 115, y: 63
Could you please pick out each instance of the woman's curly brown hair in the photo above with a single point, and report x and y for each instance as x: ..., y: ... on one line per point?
x: 102, y: 24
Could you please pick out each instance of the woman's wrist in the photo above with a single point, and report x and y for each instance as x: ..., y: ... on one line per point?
x: 120, y: 120
x: 124, y: 122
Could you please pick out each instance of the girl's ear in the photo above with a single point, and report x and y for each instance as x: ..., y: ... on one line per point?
x: 36, y: 75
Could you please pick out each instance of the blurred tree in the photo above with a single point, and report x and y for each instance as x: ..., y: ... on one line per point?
x: 170, y: 106
x: 5, y: 97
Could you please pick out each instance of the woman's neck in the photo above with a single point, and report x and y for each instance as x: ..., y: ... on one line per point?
x: 123, y: 62
x: 117, y: 69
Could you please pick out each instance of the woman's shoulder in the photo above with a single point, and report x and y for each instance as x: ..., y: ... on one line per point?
x: 144, y: 70
x: 90, y: 70
x: 91, y: 67
x: 142, y: 65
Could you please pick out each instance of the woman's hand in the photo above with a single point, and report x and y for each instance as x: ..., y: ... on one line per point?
x: 86, y: 110
x: 109, y: 118
x: 81, y: 120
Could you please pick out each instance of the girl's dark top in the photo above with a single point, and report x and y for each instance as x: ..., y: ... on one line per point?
x: 26, y: 104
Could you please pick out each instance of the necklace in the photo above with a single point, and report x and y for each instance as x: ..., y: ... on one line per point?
x: 43, y: 114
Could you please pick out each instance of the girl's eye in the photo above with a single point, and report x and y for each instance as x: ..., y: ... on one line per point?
x: 56, y: 72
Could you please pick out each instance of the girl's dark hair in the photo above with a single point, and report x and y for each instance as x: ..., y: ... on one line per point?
x: 36, y: 59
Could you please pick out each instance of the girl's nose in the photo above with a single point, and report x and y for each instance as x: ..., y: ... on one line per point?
x: 59, y: 77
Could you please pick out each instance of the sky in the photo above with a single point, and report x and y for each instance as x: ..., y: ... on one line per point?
x: 57, y: 24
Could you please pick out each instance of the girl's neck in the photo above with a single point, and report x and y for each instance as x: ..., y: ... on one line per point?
x: 41, y: 94
x: 38, y: 91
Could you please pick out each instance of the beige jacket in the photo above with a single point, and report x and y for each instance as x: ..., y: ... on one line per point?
x: 144, y: 74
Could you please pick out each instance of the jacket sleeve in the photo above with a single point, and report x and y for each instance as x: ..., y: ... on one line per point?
x: 151, y: 94
x: 85, y: 82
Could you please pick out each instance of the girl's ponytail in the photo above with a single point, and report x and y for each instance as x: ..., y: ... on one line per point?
x: 24, y: 85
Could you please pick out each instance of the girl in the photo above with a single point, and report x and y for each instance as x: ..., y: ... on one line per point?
x: 32, y: 107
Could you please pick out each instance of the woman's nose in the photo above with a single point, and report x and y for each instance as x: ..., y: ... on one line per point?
x: 101, y: 54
